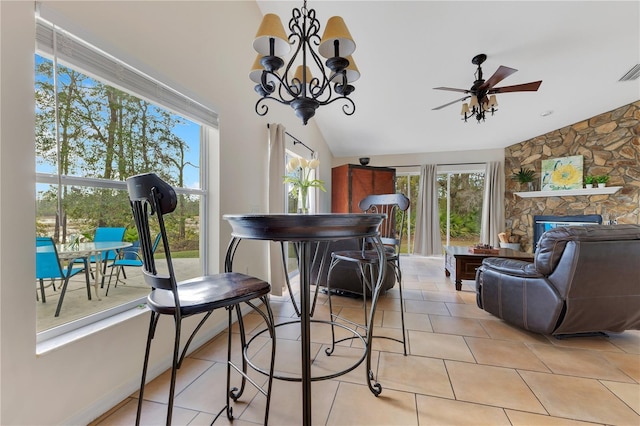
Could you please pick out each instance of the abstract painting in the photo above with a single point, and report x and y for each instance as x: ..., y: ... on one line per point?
x: 562, y: 173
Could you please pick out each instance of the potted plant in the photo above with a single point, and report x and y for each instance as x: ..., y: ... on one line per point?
x: 602, y: 180
x: 525, y: 176
x: 299, y: 175
x: 588, y: 181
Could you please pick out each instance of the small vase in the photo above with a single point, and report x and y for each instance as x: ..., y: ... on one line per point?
x: 588, y: 185
x: 303, y: 199
x: 602, y: 185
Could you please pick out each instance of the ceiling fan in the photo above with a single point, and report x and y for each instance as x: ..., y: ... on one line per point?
x: 482, y: 93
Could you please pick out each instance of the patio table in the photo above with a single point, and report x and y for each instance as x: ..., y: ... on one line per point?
x: 76, y: 251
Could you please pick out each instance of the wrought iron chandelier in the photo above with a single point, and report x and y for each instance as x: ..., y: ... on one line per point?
x: 304, y: 91
x: 479, y: 109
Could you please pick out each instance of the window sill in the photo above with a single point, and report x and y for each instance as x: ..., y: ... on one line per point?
x: 59, y: 341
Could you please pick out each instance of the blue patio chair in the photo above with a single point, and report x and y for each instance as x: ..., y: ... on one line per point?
x: 105, y: 234
x: 128, y: 257
x: 48, y: 266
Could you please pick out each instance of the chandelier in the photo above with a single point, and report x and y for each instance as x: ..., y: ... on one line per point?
x: 479, y: 109
x: 310, y: 85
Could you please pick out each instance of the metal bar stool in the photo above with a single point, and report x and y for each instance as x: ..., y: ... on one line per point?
x: 395, y: 207
x: 152, y: 197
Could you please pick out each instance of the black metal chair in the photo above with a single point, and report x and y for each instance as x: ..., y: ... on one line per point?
x: 395, y: 207
x: 152, y: 197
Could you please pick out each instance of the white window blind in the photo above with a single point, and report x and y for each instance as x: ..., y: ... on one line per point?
x: 52, y: 40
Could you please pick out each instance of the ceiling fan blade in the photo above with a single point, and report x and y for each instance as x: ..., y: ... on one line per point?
x: 450, y: 103
x: 526, y: 87
x: 501, y: 73
x: 452, y: 89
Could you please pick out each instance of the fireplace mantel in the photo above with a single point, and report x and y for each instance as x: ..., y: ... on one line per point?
x: 570, y: 192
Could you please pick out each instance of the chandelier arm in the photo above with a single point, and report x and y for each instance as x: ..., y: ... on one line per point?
x: 268, y: 87
x: 261, y: 109
x: 265, y: 108
x: 348, y: 108
x: 319, y: 88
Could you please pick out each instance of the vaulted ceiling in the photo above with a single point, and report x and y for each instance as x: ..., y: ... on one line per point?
x: 579, y: 49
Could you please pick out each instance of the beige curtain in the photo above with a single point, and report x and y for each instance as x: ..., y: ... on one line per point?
x: 493, y: 204
x: 427, y: 239
x: 275, y: 202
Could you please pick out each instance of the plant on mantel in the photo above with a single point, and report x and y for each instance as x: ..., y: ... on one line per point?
x: 589, y: 181
x: 524, y: 176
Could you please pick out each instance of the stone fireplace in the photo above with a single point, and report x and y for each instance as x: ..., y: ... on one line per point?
x: 609, y: 144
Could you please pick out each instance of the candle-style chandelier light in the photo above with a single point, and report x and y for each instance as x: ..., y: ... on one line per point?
x: 311, y: 85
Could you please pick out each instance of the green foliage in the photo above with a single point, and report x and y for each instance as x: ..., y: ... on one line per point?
x: 461, y: 225
x: 524, y: 175
x: 41, y: 229
x: 131, y: 235
x: 108, y: 134
x: 602, y: 178
x: 589, y: 180
x: 465, y: 198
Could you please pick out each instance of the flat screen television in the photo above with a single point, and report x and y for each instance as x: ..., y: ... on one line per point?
x: 542, y: 224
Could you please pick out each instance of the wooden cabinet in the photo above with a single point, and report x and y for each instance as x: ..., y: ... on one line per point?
x: 350, y: 183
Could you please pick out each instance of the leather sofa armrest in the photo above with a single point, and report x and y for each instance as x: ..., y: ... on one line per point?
x: 514, y: 267
x: 529, y: 302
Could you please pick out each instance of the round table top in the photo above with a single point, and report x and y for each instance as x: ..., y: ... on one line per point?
x: 92, y: 246
x: 304, y: 227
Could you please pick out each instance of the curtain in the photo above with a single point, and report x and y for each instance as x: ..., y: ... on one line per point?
x: 275, y: 202
x: 493, y: 204
x: 427, y: 238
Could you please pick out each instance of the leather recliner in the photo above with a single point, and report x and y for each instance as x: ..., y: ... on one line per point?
x: 584, y: 279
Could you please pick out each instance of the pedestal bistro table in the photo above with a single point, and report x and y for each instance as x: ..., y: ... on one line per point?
x: 306, y: 230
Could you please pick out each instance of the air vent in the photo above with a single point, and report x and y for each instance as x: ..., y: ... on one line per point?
x: 632, y: 74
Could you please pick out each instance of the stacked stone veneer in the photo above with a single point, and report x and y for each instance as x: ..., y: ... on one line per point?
x: 609, y: 143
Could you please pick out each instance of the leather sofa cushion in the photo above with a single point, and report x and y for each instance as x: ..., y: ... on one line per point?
x: 552, y: 243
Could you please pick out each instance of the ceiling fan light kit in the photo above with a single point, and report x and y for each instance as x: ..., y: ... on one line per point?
x: 304, y: 92
x: 481, y: 95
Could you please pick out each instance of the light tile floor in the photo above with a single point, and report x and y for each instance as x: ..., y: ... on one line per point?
x: 464, y: 367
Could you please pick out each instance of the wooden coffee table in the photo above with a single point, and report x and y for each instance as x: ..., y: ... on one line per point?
x: 462, y: 264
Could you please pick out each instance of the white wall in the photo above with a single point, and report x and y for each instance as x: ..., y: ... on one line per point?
x: 411, y: 162
x: 201, y: 48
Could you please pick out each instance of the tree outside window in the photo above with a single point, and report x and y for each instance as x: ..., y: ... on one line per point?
x: 91, y: 136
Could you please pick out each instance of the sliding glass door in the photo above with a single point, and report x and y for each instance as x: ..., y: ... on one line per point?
x: 408, y: 184
x: 460, y: 205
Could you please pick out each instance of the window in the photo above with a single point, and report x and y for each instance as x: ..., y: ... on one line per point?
x: 460, y: 205
x: 408, y: 184
x: 291, y: 206
x: 99, y: 121
x: 291, y: 198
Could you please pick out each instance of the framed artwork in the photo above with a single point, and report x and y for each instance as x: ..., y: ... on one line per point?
x: 562, y: 173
